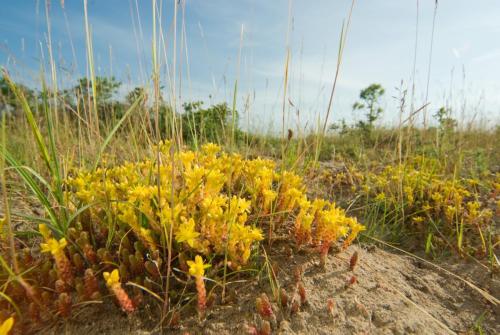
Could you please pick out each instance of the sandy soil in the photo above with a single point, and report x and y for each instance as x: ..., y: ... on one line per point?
x: 394, y: 294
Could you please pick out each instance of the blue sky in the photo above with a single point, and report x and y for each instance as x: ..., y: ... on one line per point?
x: 380, y: 48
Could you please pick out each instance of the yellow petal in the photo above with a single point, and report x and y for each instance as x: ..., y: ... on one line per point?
x: 45, y: 247
x: 115, y: 276
x: 197, y: 268
x: 62, y: 243
x: 44, y: 230
x: 6, y: 326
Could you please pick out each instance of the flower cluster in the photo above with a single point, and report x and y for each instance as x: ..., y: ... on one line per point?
x: 202, y: 199
x: 213, y: 202
x: 428, y: 198
x: 190, y: 214
x: 324, y: 223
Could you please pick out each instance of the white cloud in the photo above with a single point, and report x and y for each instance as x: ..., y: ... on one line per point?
x: 487, y: 56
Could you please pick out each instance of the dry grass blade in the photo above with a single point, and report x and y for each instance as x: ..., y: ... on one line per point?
x: 115, y: 129
x: 145, y: 289
x: 44, y: 152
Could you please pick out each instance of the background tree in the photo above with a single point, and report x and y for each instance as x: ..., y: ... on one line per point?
x: 106, y: 90
x: 8, y: 101
x: 211, y: 124
x: 370, y: 104
x: 134, y: 94
x: 445, y: 133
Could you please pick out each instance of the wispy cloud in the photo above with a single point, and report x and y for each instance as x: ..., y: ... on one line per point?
x: 488, y: 56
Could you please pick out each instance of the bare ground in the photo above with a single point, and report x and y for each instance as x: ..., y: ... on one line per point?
x: 394, y: 294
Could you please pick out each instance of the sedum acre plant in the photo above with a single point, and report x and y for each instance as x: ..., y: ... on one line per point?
x: 437, y: 207
x: 198, y: 213
x: 197, y: 270
x: 56, y: 248
x: 113, y: 283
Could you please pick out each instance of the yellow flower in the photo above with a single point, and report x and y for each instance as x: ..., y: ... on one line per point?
x: 356, y: 228
x: 6, y: 326
x: 212, y: 206
x: 206, y: 197
x: 473, y: 182
x: 269, y: 196
x: 238, y: 206
x: 148, y: 238
x: 331, y: 224
x: 142, y: 193
x: 437, y: 197
x: 197, y: 268
x: 194, y: 178
x: 450, y: 212
x: 290, y: 198
x: 246, y: 234
x: 343, y: 230
x: 53, y: 246
x: 497, y: 186
x: 210, y: 148
x: 44, y: 230
x: 187, y: 233
x: 214, y: 182
x: 255, y: 234
x: 473, y: 208
x: 112, y: 278
x: 418, y: 219
x: 127, y: 215
x: 426, y: 207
